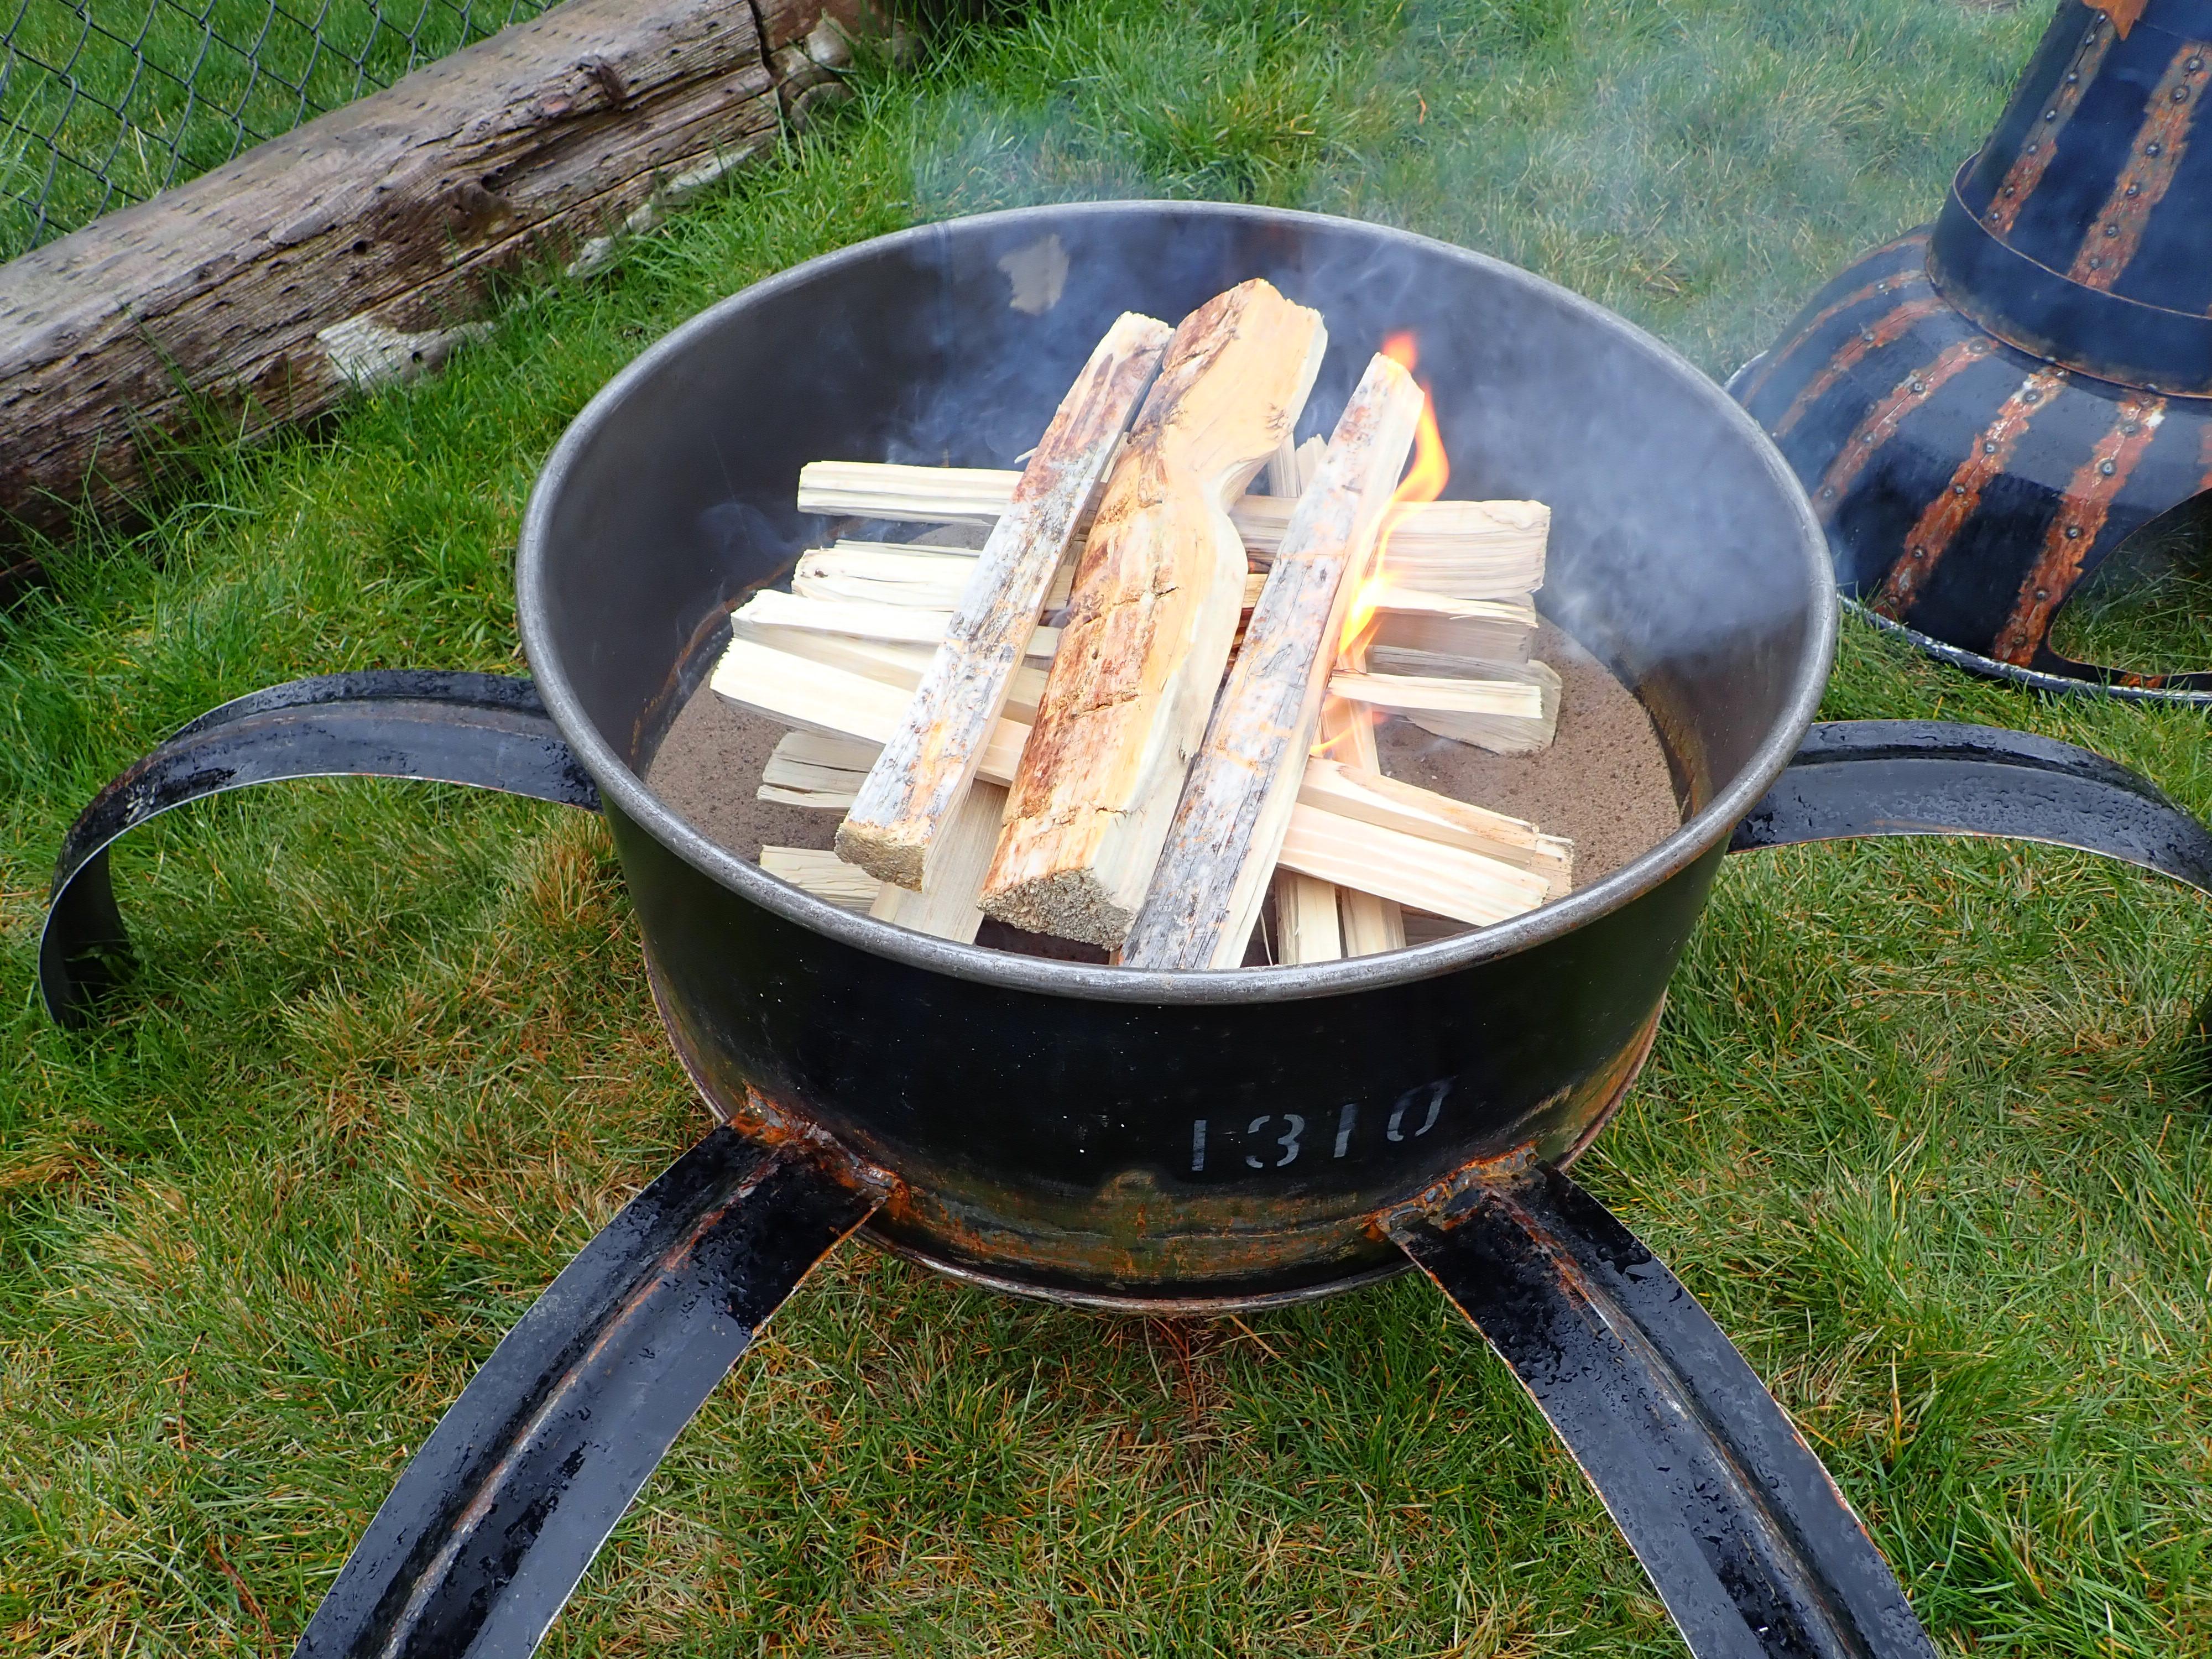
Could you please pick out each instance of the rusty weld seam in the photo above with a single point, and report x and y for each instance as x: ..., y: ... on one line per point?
x: 2028, y: 166
x: 2084, y: 507
x: 2115, y: 235
x: 1943, y: 518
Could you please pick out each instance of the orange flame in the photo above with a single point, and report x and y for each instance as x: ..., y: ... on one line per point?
x: 1424, y: 481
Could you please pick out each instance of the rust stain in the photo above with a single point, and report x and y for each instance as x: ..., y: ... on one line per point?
x: 1942, y: 519
x: 1884, y: 330
x: 2154, y: 156
x: 2087, y: 501
x: 1894, y: 282
x: 2027, y: 167
x: 2123, y: 13
x: 1881, y: 421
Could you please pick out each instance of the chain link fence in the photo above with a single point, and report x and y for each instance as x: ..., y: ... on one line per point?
x: 104, y: 102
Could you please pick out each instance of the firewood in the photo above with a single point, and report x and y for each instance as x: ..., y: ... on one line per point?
x: 1307, y: 929
x: 1207, y: 890
x: 823, y: 874
x: 918, y: 781
x: 1410, y: 870
x: 901, y: 574
x: 927, y: 579
x: 1456, y: 881
x: 1509, y: 716
x: 887, y: 624
x: 806, y: 769
x: 1467, y: 549
x: 1371, y: 922
x: 946, y: 906
x: 836, y: 702
x: 1371, y: 798
x: 1151, y: 621
x: 1511, y: 708
x: 1492, y: 630
x: 888, y: 491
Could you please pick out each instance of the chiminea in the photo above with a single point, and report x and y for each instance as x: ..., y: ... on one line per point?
x: 1171, y: 1142
x: 1984, y: 410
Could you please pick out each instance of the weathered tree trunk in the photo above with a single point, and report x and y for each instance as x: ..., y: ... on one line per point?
x: 357, y: 248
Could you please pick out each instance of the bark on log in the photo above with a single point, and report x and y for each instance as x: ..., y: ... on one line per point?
x: 1151, y: 621
x: 915, y: 790
x: 1212, y: 878
x: 357, y: 248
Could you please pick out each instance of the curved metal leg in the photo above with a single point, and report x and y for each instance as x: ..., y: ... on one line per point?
x: 483, y: 729
x: 1754, y: 1550
x: 492, y: 1525
x: 1860, y: 778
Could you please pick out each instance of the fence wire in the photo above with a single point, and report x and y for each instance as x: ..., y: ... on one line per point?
x: 103, y: 102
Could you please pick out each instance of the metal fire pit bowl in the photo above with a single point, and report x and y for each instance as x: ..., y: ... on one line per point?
x: 1164, y: 1142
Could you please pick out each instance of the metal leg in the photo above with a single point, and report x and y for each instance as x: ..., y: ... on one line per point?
x: 479, y: 729
x: 492, y: 1525
x: 1754, y: 1550
x: 1859, y: 778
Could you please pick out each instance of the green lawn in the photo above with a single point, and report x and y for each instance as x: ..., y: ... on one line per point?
x: 1919, y: 1127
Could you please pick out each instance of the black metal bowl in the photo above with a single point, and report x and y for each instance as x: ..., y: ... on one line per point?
x: 1043, y: 1113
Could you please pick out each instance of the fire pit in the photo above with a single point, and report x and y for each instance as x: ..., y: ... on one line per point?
x: 1160, y: 1141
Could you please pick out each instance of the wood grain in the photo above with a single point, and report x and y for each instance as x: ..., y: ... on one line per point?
x: 1464, y: 550
x: 1403, y: 859
x: 1212, y: 877
x: 915, y: 790
x: 1151, y: 622
x: 357, y: 248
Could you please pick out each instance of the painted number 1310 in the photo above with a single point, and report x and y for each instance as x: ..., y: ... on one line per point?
x: 1275, y: 1141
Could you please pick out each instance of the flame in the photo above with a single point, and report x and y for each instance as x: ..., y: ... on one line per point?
x: 1345, y: 722
x: 1424, y: 481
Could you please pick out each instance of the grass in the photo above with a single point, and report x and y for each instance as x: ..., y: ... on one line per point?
x: 103, y: 102
x: 1919, y: 1129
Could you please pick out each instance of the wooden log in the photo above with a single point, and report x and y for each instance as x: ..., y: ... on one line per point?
x: 947, y: 904
x: 933, y: 578
x: 823, y: 874
x: 1151, y: 623
x: 1309, y: 920
x: 1371, y: 798
x: 1457, y: 882
x: 903, y: 574
x: 1409, y: 870
x: 1372, y: 924
x: 914, y: 790
x: 771, y: 612
x: 1212, y: 878
x: 1509, y: 709
x: 356, y: 248
x: 1488, y: 630
x: 806, y: 769
x: 1307, y: 929
x: 1463, y: 550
